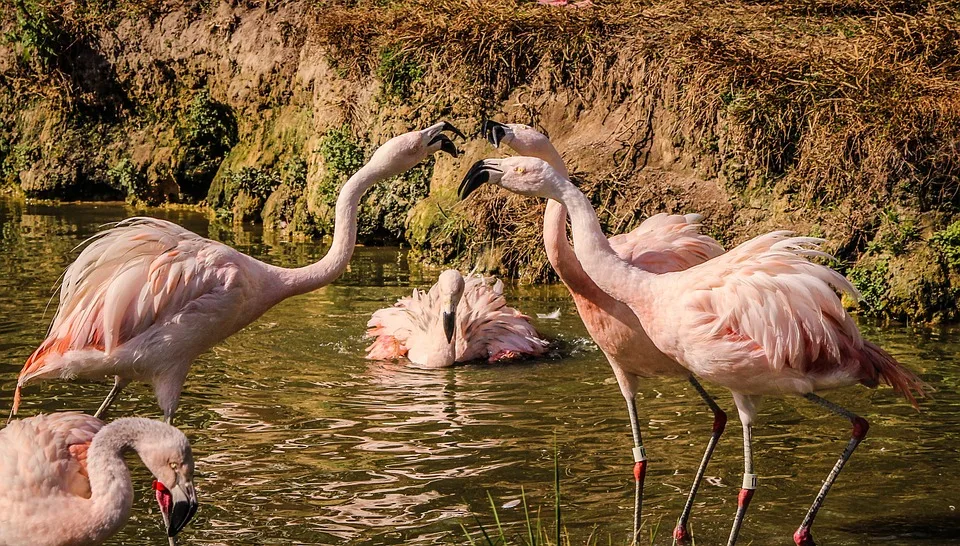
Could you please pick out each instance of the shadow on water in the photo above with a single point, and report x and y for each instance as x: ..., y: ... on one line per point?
x: 300, y: 440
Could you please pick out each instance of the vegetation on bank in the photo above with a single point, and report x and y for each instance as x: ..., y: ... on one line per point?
x: 837, y: 117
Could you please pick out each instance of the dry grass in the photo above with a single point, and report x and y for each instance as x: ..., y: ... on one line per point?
x: 829, y: 100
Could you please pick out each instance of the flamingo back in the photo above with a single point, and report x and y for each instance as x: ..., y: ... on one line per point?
x: 129, y: 277
x: 665, y: 243
x: 766, y: 302
x: 45, y: 456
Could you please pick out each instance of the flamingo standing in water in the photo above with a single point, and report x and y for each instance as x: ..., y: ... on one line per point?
x: 146, y: 297
x: 660, y: 244
x: 457, y: 320
x: 760, y: 320
x: 65, y: 482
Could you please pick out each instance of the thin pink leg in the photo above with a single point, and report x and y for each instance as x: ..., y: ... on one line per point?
x: 749, y: 485
x: 860, y: 427
x: 639, y: 467
x: 680, y: 533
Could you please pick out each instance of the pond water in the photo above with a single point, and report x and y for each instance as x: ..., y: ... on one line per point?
x: 298, y: 439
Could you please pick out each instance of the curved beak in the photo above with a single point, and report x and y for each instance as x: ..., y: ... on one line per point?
x: 446, y: 145
x: 449, y: 324
x: 435, y: 133
x: 493, y: 132
x: 482, y: 172
x: 177, y: 505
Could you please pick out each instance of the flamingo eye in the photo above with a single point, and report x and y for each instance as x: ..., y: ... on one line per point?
x: 520, y: 170
x: 174, y: 466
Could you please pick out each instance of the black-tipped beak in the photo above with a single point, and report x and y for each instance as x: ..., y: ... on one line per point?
x: 177, y: 505
x: 493, y: 132
x: 446, y: 145
x: 478, y: 175
x: 449, y: 325
x: 447, y: 126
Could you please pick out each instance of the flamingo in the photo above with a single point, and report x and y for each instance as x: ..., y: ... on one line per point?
x: 65, y: 481
x: 457, y: 320
x: 660, y: 244
x: 146, y: 297
x: 760, y: 320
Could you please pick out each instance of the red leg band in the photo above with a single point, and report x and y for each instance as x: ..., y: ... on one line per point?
x: 860, y: 428
x: 803, y: 537
x: 719, y: 422
x: 640, y: 471
x: 744, y: 498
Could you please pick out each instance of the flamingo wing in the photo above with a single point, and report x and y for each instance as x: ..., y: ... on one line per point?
x: 129, y: 277
x: 489, y: 328
x: 765, y: 299
x: 393, y: 327
x: 45, y: 456
x: 665, y: 243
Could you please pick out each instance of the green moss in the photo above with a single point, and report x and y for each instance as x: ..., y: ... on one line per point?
x: 397, y: 71
x: 247, y: 191
x: 37, y: 37
x: 208, y: 132
x: 125, y: 176
x: 947, y: 241
x: 870, y: 278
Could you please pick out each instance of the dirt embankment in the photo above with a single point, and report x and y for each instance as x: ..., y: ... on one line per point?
x: 835, y: 118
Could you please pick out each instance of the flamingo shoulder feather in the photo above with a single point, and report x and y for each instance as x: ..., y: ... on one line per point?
x: 665, y: 243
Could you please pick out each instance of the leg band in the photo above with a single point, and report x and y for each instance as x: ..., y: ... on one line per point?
x: 639, y: 454
x: 750, y: 481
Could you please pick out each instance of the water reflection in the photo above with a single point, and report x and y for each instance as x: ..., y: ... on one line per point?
x: 300, y: 440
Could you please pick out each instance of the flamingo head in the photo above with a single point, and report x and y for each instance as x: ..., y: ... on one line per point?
x: 523, y: 139
x: 402, y: 153
x: 450, y: 284
x: 166, y: 452
x: 520, y: 174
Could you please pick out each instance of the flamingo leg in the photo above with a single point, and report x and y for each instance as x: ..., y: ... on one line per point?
x: 639, y: 467
x: 860, y: 426
x: 749, y: 484
x: 680, y: 533
x: 118, y: 385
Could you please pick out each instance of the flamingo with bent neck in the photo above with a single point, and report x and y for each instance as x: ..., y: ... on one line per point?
x: 660, y: 244
x: 760, y: 320
x: 146, y: 297
x: 65, y: 481
x: 457, y: 320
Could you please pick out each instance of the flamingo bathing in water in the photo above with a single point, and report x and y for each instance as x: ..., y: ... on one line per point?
x: 760, y: 320
x: 65, y: 482
x: 458, y: 320
x: 660, y: 244
x: 146, y: 297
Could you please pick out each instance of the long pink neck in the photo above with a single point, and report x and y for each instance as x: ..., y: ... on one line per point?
x: 559, y: 252
x: 111, y: 493
x: 594, y: 254
x: 332, y: 265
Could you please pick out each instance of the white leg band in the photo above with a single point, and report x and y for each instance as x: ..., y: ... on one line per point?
x: 639, y: 454
x: 749, y: 481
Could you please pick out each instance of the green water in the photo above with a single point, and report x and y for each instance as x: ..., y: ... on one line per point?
x: 298, y: 439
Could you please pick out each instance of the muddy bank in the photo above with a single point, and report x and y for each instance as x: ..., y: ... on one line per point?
x: 834, y: 118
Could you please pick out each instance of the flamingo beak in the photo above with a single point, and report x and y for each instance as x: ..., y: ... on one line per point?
x: 481, y: 173
x: 449, y: 324
x: 435, y: 132
x: 493, y: 132
x: 177, y: 505
x: 446, y: 145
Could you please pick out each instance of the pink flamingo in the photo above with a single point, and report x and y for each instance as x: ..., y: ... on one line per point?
x: 146, y: 297
x: 65, y: 481
x: 660, y: 244
x: 759, y: 320
x: 457, y: 320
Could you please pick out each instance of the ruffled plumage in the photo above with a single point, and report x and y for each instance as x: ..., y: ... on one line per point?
x: 486, y: 328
